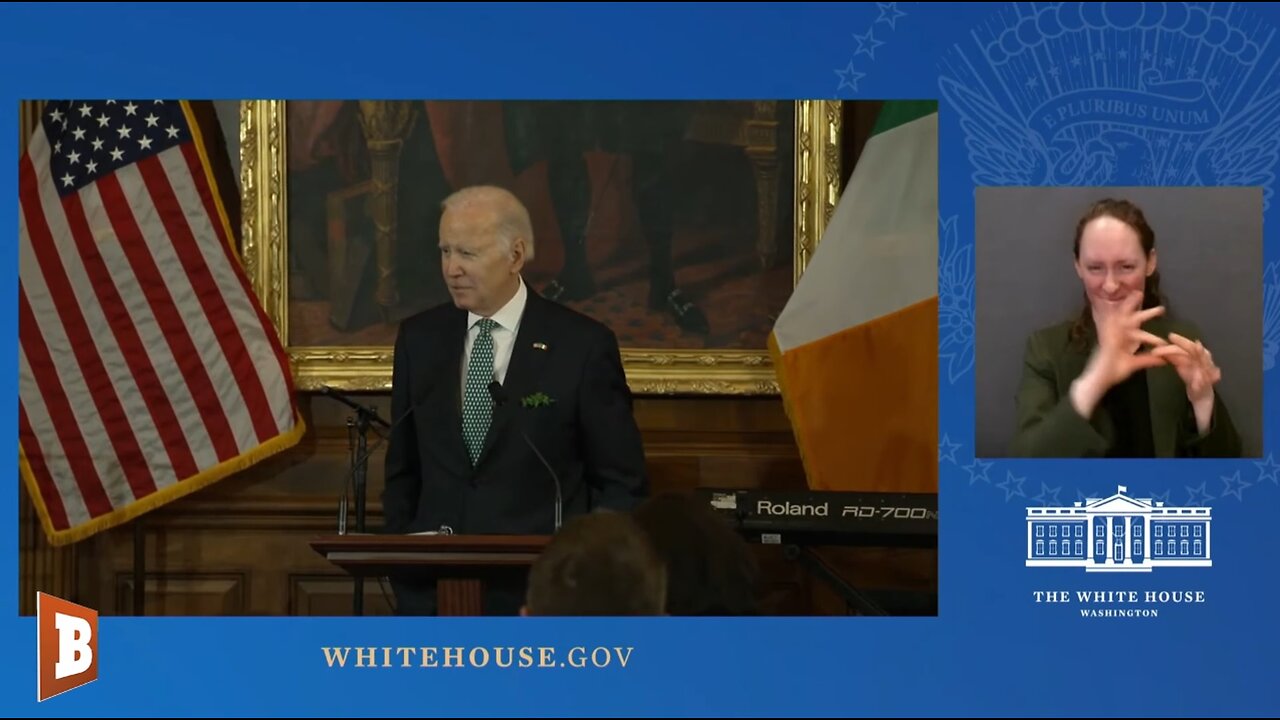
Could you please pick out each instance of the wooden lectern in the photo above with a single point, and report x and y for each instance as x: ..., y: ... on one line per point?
x: 460, y: 564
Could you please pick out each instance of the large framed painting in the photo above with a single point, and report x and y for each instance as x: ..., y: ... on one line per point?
x: 683, y: 226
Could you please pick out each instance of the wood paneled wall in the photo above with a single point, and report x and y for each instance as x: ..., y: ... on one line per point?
x: 241, y: 546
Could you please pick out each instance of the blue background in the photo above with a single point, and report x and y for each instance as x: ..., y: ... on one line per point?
x: 992, y: 650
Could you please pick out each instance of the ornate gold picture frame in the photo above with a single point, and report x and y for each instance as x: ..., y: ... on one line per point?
x: 340, y: 201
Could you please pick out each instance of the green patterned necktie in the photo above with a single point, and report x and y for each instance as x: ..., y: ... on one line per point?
x: 477, y: 406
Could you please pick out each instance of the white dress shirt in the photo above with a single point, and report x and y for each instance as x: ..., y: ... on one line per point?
x: 504, y: 335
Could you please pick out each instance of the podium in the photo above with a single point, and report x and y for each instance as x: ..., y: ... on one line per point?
x: 460, y: 564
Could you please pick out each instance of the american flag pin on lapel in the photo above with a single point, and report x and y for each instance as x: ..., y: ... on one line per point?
x: 539, y: 346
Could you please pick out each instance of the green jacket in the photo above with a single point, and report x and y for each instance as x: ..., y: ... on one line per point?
x: 1048, y: 426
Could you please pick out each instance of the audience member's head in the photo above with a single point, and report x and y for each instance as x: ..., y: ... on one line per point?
x: 597, y: 564
x: 711, y: 570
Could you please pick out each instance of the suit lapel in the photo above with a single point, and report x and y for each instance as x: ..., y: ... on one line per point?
x: 524, y: 370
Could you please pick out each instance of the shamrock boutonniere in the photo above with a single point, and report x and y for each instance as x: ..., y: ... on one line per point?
x: 536, y: 400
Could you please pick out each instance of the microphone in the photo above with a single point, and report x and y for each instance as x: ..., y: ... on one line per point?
x: 359, y: 459
x: 368, y: 412
x: 360, y: 454
x: 499, y: 395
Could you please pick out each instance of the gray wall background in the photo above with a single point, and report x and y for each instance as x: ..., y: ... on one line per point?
x: 1209, y: 254
x: 228, y: 112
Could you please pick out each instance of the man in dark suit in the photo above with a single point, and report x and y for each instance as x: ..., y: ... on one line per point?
x: 460, y: 460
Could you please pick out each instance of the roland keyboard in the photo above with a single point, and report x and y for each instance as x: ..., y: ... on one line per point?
x: 829, y: 518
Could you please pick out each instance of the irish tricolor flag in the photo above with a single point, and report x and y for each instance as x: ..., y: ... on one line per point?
x: 856, y: 348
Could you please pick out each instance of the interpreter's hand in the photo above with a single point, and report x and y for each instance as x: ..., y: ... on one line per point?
x: 1195, y: 366
x: 1120, y: 337
x: 1117, y: 356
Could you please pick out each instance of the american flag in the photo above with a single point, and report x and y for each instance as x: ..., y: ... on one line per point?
x: 147, y: 367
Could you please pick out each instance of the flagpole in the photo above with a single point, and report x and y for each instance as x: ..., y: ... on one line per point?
x: 139, y: 568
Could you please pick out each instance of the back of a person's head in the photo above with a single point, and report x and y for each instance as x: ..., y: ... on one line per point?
x: 598, y: 564
x: 711, y: 570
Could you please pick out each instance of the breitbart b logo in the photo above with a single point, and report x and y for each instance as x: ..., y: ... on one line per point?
x: 66, y: 645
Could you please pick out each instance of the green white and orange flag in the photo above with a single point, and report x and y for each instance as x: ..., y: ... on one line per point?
x: 856, y: 348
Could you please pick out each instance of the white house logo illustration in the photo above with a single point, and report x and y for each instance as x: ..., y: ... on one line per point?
x: 1118, y: 534
x: 1095, y: 94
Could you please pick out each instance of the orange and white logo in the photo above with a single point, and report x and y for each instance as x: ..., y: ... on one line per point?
x: 66, y: 645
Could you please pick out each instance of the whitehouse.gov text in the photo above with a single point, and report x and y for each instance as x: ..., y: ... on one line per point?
x: 521, y: 657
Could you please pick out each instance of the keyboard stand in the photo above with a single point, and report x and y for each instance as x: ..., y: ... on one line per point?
x: 853, y: 597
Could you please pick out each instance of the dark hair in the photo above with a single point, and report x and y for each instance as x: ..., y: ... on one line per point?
x: 601, y: 563
x: 711, y: 569
x: 1129, y: 214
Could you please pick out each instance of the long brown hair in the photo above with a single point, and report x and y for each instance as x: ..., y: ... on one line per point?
x: 1128, y: 213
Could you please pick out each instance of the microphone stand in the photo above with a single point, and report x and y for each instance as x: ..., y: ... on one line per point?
x: 358, y: 444
x: 357, y: 432
x: 357, y: 429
